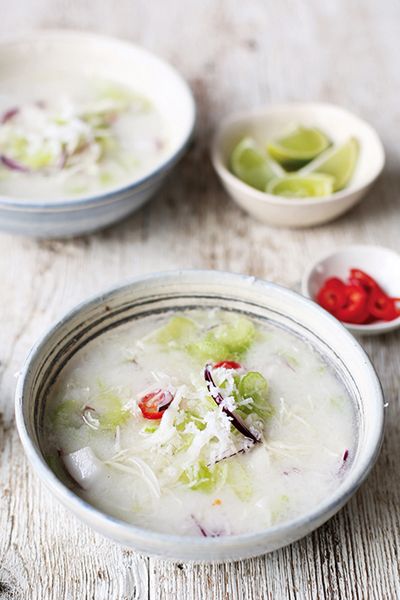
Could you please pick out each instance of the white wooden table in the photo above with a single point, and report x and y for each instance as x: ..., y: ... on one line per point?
x: 235, y: 54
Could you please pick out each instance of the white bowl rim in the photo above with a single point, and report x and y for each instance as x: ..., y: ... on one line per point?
x: 380, y: 326
x: 121, y: 528
x: 225, y: 173
x: 83, y: 201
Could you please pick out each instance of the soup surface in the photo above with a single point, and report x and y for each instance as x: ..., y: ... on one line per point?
x: 202, y: 422
x: 71, y: 137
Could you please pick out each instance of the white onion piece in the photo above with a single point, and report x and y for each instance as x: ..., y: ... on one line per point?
x: 84, y: 467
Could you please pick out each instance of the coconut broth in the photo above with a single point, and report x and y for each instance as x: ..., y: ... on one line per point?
x: 192, y: 472
x: 66, y: 136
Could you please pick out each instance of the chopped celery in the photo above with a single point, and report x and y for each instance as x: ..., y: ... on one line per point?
x: 39, y: 159
x: 177, y: 332
x: 19, y: 149
x: 67, y: 414
x: 108, y: 145
x: 202, y: 478
x: 150, y: 428
x: 239, y: 481
x: 124, y: 97
x: 113, y: 419
x: 185, y: 441
x: 208, y: 349
x: 110, y: 409
x: 58, y: 120
x: 19, y: 146
x: 226, y: 341
x: 236, y: 335
x: 253, y: 385
x: 280, y: 507
x: 191, y: 417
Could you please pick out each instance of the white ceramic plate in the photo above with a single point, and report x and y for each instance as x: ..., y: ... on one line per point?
x: 268, y: 123
x: 381, y: 263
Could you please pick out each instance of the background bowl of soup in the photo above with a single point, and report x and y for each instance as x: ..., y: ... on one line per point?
x: 324, y: 349
x: 90, y: 126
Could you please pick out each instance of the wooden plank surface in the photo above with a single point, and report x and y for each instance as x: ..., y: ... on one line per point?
x: 235, y: 55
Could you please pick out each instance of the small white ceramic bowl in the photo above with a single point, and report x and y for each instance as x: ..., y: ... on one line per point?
x: 185, y: 289
x: 381, y: 263
x: 268, y: 123
x: 89, y: 56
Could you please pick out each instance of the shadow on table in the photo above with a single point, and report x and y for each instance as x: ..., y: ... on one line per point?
x: 381, y: 202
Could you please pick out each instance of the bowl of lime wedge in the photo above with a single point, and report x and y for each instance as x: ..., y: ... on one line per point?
x: 297, y: 165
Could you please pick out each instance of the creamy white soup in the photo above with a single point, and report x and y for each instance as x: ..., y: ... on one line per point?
x: 202, y: 422
x: 70, y: 137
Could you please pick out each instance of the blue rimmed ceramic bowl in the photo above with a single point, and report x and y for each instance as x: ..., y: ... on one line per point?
x: 183, y: 289
x: 89, y: 55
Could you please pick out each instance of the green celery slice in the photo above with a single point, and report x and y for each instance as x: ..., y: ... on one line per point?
x: 177, y: 332
x: 239, y: 480
x: 109, y: 406
x: 226, y: 341
x: 67, y: 414
x: 254, y: 385
x: 205, y: 479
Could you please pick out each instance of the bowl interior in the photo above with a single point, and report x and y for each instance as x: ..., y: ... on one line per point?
x: 29, y: 65
x: 205, y: 289
x: 337, y: 123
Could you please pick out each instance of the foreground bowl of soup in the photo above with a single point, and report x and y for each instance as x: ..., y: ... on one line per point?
x: 89, y: 128
x: 199, y: 415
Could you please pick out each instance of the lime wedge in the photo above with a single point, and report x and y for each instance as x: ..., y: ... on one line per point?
x: 252, y: 165
x: 339, y: 162
x: 299, y: 147
x: 301, y: 186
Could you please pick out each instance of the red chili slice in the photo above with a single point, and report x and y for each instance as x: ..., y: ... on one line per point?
x: 334, y: 282
x: 154, y: 404
x: 362, y: 301
x: 332, y: 296
x: 382, y: 306
x: 357, y: 276
x: 355, y: 309
x: 227, y: 364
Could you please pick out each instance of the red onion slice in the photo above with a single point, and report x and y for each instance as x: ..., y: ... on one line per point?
x: 166, y: 399
x: 343, y: 465
x: 12, y: 164
x: 88, y: 415
x: 237, y: 422
x: 9, y: 114
x: 204, y: 532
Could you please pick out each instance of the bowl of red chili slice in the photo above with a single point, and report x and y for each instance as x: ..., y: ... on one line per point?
x: 360, y: 286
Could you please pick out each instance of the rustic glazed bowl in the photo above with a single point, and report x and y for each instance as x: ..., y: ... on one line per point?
x: 88, y: 55
x: 269, y: 122
x: 185, y: 289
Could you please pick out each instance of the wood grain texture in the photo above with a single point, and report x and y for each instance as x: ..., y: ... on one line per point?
x: 235, y: 55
